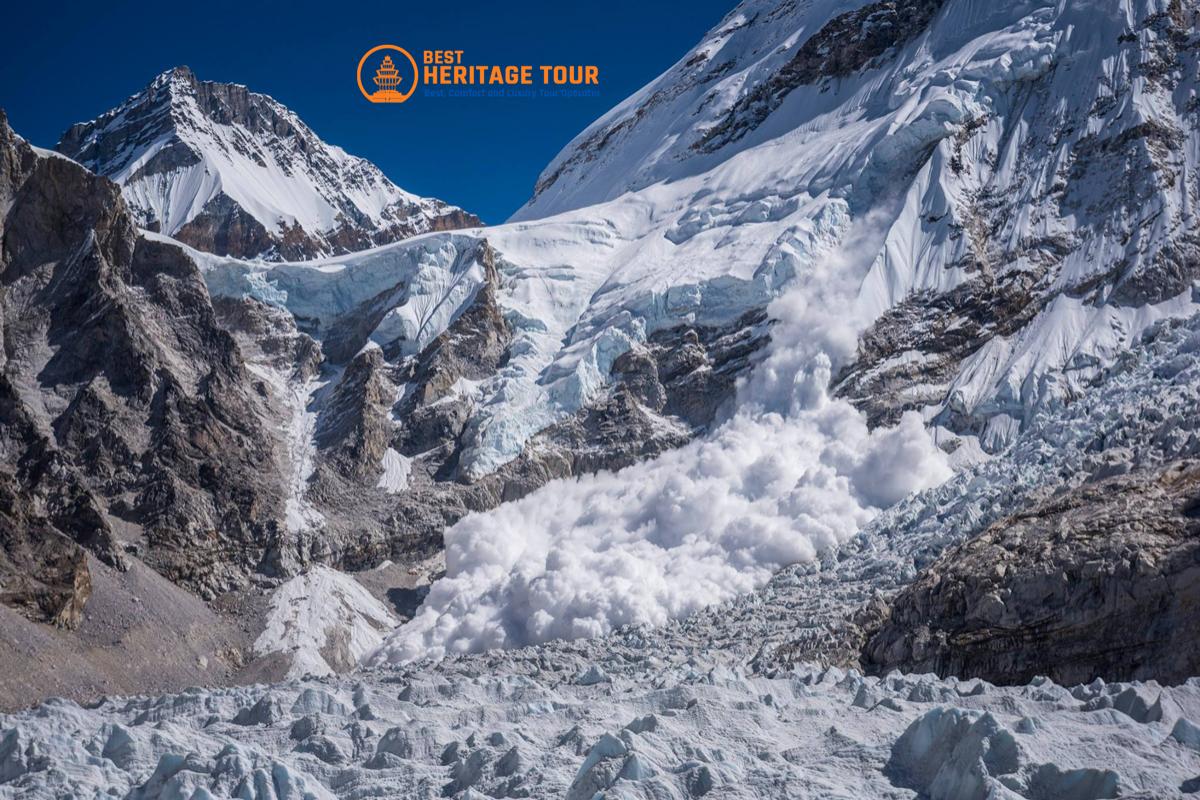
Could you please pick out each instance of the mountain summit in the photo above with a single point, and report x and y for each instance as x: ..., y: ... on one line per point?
x: 234, y: 172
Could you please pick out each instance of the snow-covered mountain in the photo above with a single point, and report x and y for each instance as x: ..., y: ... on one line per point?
x: 839, y: 254
x: 234, y: 172
x: 732, y: 92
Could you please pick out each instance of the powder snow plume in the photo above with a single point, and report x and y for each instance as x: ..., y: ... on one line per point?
x: 790, y: 474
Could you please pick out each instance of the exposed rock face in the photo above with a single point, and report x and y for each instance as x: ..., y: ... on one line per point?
x: 354, y: 426
x: 45, y: 573
x: 233, y: 172
x: 696, y: 368
x: 945, y: 329
x: 1103, y: 581
x: 224, y: 227
x: 472, y: 348
x: 126, y: 405
x: 268, y: 334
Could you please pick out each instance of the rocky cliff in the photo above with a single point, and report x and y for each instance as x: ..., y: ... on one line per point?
x: 227, y: 444
x: 1101, y: 582
x: 131, y: 423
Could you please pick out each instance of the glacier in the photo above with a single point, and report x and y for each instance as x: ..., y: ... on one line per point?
x: 710, y: 703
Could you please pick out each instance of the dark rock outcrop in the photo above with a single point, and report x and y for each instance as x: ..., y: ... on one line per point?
x: 664, y: 393
x: 127, y: 407
x: 268, y: 334
x: 473, y: 347
x: 1103, y: 581
x: 43, y: 573
x: 946, y: 328
x: 224, y: 227
x: 355, y: 426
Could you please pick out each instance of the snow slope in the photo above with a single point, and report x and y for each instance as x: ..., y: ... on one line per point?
x: 324, y: 621
x: 181, y: 146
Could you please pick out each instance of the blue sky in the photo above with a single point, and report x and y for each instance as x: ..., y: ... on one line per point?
x: 64, y: 62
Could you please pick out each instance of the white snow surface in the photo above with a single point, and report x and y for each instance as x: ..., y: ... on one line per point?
x: 975, y: 51
x: 296, y: 398
x: 395, y: 468
x: 319, y: 612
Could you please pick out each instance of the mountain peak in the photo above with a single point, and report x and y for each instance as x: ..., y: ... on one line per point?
x: 235, y: 172
x: 181, y: 73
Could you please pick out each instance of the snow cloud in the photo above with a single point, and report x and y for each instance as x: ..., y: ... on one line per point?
x: 790, y: 474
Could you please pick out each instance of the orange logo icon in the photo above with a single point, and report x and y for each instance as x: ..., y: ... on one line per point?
x: 392, y: 83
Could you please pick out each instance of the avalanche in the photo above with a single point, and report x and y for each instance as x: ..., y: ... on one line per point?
x: 792, y: 475
x: 699, y: 707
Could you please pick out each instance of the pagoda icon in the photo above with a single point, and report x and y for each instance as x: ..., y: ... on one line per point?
x: 387, y: 78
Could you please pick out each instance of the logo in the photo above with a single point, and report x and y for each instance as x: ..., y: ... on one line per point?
x: 394, y: 75
x: 391, y: 77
